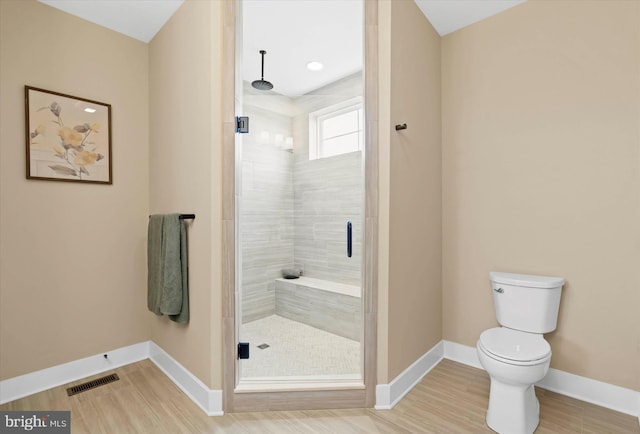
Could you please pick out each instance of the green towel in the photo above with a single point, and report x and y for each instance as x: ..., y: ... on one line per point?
x: 167, y: 279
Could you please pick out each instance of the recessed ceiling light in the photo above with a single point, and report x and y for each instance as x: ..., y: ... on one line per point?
x: 90, y: 110
x: 314, y: 66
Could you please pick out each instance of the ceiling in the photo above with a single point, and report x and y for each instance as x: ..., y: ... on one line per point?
x: 447, y: 16
x: 293, y: 32
x: 139, y: 19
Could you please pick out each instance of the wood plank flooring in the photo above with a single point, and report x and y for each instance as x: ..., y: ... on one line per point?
x: 452, y: 398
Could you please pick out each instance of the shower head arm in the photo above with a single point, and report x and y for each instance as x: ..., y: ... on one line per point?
x: 262, y: 52
x: 262, y: 84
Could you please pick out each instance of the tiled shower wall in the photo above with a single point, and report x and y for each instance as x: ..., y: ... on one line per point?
x: 266, y: 206
x: 328, y: 192
x: 294, y: 211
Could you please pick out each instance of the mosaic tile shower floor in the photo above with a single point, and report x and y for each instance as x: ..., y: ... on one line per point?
x: 297, y: 350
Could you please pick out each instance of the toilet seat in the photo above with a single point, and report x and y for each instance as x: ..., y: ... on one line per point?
x: 514, y: 347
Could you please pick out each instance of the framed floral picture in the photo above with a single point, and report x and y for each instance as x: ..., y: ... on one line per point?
x: 68, y: 138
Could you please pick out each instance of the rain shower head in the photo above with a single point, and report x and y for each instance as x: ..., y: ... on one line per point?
x: 262, y: 84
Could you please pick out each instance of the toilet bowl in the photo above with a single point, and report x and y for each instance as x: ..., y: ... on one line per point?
x: 515, y: 361
x: 516, y: 355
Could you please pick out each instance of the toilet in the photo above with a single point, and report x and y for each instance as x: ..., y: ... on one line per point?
x: 516, y: 355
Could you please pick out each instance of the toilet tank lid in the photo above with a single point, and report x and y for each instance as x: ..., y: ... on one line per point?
x: 526, y: 280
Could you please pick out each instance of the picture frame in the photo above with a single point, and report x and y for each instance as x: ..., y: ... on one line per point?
x: 68, y: 138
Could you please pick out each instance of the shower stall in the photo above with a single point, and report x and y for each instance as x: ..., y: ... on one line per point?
x: 300, y: 195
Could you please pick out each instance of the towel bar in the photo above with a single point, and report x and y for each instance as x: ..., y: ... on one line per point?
x: 186, y: 216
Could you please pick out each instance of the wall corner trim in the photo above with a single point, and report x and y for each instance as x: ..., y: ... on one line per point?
x: 462, y: 354
x: 210, y: 401
x: 34, y: 382
x: 388, y: 395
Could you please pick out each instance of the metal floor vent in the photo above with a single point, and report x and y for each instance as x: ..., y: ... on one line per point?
x: 92, y: 384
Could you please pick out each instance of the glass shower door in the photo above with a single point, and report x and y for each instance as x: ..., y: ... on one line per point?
x: 300, y: 195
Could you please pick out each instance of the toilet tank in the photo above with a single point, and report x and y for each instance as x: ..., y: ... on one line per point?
x: 526, y: 302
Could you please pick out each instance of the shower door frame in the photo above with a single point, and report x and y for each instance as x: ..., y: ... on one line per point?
x: 308, y: 398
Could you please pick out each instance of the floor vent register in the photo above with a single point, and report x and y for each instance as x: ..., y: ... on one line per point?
x: 92, y: 384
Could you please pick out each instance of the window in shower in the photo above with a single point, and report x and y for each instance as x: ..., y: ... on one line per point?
x: 337, y: 129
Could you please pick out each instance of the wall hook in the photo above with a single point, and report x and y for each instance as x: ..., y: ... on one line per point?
x: 401, y: 127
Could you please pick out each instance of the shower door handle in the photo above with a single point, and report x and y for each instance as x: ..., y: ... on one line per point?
x: 349, y: 239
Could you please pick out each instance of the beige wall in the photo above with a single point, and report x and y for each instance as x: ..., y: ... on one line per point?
x: 185, y: 173
x: 414, y: 298
x: 72, y: 256
x: 384, y: 138
x: 541, y: 173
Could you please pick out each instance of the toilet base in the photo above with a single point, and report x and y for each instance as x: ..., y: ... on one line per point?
x: 513, y: 409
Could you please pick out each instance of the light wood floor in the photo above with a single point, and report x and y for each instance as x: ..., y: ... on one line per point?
x: 452, y: 398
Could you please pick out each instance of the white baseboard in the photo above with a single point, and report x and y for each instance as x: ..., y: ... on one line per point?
x: 34, y: 382
x: 596, y: 392
x: 462, y: 354
x: 585, y: 389
x: 210, y: 401
x: 388, y: 395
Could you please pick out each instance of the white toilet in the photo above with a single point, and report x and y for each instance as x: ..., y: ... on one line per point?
x: 516, y: 356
